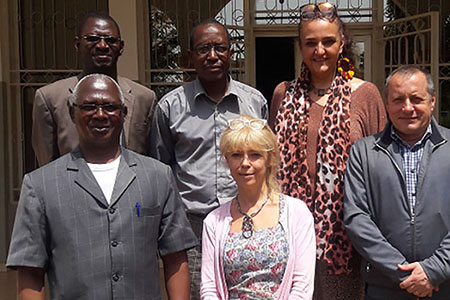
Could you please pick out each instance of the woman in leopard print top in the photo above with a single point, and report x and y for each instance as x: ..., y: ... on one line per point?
x: 317, y: 117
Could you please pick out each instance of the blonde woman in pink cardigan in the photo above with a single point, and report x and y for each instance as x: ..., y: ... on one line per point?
x: 260, y: 245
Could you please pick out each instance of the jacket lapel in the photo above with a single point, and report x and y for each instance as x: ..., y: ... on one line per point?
x: 129, y: 98
x: 84, y: 178
x: 435, y: 139
x: 385, y: 141
x: 125, y: 176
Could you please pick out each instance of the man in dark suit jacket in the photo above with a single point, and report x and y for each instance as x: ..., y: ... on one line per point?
x: 99, y: 44
x: 95, y: 219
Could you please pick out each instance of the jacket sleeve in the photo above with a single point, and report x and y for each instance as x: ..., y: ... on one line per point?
x: 141, y: 107
x: 361, y: 227
x: 152, y: 104
x: 30, y: 236
x: 43, y: 133
x: 175, y: 232
x: 305, y: 252
x: 161, y: 145
x: 208, y: 287
x: 437, y: 266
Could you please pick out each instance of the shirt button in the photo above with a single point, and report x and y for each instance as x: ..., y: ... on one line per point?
x: 115, y: 277
x: 114, y: 243
x: 112, y: 210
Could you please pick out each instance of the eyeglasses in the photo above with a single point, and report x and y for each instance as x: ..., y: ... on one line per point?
x: 318, y: 10
x: 206, y: 48
x: 237, y: 124
x: 94, y: 39
x: 92, y: 108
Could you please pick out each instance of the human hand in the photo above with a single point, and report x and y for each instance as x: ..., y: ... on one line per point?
x: 417, y: 283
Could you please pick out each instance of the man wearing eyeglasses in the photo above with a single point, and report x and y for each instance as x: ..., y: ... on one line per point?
x: 95, y: 219
x: 99, y: 46
x: 189, y: 122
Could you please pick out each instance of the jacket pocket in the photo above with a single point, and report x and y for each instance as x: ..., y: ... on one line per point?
x: 149, y: 211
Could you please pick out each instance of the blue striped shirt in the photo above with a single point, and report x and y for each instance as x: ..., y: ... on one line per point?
x: 411, y: 157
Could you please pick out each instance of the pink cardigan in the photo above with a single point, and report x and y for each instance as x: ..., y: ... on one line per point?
x: 298, y: 280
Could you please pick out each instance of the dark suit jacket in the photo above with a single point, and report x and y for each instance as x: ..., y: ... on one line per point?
x: 91, y: 249
x: 54, y: 134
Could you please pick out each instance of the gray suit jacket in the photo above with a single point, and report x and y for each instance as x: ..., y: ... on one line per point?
x: 54, y: 134
x: 92, y: 250
x: 378, y: 218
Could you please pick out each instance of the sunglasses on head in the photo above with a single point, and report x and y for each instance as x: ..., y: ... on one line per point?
x: 237, y: 124
x: 324, y: 10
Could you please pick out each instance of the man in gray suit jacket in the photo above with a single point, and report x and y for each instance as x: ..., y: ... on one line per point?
x: 95, y: 219
x: 99, y: 45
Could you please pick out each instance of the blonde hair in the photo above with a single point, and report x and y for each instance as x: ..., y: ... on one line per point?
x: 263, y: 140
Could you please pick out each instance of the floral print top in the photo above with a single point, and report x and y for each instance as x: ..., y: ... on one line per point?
x: 254, y: 267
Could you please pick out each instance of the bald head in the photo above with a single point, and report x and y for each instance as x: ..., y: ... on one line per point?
x: 100, y: 80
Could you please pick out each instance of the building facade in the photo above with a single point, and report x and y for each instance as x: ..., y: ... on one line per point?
x: 36, y: 48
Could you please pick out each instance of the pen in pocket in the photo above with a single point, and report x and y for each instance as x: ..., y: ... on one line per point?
x: 138, y: 206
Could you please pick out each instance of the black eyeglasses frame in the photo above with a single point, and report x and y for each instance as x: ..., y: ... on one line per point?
x: 92, y: 108
x: 96, y: 38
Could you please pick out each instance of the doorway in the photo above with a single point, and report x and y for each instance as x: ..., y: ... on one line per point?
x: 363, y: 56
x: 275, y: 62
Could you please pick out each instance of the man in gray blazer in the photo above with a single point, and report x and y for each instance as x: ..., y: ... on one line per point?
x: 396, y: 204
x: 99, y: 45
x: 95, y: 219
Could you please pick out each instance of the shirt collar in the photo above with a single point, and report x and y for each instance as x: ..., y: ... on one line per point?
x: 199, y: 90
x: 400, y: 142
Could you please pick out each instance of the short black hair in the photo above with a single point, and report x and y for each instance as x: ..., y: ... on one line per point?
x: 210, y: 21
x: 96, y: 15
